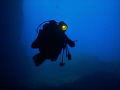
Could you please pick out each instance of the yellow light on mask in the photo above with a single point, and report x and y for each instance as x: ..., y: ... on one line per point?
x: 64, y: 27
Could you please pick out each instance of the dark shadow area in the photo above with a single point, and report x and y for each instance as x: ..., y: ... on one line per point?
x: 10, y: 84
x: 96, y: 81
x: 96, y: 75
x: 12, y: 52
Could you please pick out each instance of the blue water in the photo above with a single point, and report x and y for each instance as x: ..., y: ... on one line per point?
x: 95, y: 63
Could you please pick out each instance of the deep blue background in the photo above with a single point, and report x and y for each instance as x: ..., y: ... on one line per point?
x: 95, y: 60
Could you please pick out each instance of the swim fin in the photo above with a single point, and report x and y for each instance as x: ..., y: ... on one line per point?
x: 38, y: 59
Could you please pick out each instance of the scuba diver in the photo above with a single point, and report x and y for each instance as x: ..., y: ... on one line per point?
x: 50, y: 41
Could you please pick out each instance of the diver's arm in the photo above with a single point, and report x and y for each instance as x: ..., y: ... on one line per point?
x: 36, y: 43
x: 69, y: 42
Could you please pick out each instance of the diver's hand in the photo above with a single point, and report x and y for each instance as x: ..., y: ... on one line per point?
x: 69, y: 42
x: 75, y: 40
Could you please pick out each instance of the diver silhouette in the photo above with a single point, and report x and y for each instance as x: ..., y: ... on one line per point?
x: 50, y: 41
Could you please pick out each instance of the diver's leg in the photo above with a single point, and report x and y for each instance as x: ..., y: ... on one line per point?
x: 39, y: 59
